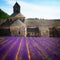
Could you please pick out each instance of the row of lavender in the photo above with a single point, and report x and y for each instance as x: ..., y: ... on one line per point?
x: 29, y: 48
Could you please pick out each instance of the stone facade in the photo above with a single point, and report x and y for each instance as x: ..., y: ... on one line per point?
x: 45, y: 27
x: 17, y: 25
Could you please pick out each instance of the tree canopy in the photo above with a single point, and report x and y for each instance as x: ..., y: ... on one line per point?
x: 3, y: 15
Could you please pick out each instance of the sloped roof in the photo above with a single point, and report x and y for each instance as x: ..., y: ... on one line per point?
x: 19, y: 15
x: 37, y: 23
x: 6, y: 23
x: 31, y: 23
x: 50, y: 22
x: 17, y: 23
x: 16, y: 4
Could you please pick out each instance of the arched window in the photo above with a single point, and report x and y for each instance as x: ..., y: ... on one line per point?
x: 19, y: 32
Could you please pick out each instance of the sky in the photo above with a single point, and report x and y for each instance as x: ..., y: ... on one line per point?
x: 45, y: 9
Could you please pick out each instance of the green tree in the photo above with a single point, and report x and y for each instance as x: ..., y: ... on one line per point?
x: 3, y: 15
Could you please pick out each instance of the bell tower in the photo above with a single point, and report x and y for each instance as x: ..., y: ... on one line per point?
x: 16, y: 8
x: 17, y: 13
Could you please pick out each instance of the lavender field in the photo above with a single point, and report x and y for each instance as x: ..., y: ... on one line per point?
x: 29, y: 48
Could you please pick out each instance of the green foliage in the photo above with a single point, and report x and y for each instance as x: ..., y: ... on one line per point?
x: 3, y: 15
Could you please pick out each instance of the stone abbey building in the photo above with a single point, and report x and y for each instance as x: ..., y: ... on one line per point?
x: 17, y: 25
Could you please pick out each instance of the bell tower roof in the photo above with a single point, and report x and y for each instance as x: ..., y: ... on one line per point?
x: 17, y: 12
x: 16, y: 4
x: 16, y: 8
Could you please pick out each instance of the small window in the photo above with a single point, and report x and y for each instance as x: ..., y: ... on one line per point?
x: 19, y: 32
